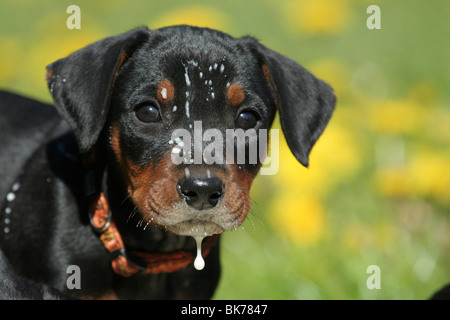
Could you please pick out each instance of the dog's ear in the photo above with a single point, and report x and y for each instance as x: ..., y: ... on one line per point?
x: 81, y: 84
x: 305, y: 103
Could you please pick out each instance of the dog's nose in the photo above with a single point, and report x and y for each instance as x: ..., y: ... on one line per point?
x: 201, y: 193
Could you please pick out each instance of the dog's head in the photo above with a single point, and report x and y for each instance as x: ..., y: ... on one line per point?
x: 183, y: 110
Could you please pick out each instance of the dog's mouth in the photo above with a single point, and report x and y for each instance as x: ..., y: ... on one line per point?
x: 195, y: 201
x: 195, y: 228
x: 183, y: 220
x: 198, y: 204
x: 199, y: 228
x: 186, y: 221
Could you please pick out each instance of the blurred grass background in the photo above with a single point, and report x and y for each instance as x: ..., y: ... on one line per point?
x: 377, y: 190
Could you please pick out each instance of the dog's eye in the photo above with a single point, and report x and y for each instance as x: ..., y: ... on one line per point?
x: 147, y: 113
x: 247, y: 120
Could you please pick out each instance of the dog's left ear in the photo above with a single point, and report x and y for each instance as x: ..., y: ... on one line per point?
x: 305, y: 103
x: 81, y: 83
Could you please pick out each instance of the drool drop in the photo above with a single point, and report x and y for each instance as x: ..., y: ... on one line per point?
x: 199, y: 263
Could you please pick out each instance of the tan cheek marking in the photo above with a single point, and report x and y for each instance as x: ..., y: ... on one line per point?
x: 165, y: 91
x: 115, y: 143
x: 162, y: 177
x: 235, y: 94
x: 140, y: 180
x: 237, y: 198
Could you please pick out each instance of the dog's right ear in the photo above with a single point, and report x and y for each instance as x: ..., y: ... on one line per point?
x: 305, y: 103
x: 81, y: 83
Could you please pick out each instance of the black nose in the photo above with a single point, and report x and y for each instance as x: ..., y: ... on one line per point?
x: 201, y: 193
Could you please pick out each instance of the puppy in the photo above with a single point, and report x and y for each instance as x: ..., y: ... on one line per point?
x: 122, y: 185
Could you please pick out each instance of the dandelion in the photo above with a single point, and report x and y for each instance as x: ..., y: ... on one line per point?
x: 393, y: 181
x: 317, y: 16
x: 397, y: 116
x: 336, y: 156
x: 300, y: 218
x: 429, y: 175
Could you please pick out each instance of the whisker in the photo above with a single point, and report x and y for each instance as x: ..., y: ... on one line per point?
x: 253, y: 211
x: 251, y: 222
x: 125, y: 199
x: 135, y: 210
x: 254, y: 202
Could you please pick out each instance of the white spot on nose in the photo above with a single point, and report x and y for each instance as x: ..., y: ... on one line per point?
x: 222, y: 68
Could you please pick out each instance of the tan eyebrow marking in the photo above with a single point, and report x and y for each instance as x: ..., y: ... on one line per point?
x: 235, y: 94
x: 165, y: 91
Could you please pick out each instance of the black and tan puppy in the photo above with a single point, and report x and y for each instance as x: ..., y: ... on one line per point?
x: 101, y: 190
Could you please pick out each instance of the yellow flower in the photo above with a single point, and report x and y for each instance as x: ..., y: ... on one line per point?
x: 335, y: 156
x: 300, y: 218
x: 393, y: 181
x: 193, y: 15
x: 317, y: 16
x: 430, y: 175
x: 426, y: 174
x: 397, y: 116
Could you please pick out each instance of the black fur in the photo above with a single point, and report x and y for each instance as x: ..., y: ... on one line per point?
x: 305, y: 102
x: 98, y: 87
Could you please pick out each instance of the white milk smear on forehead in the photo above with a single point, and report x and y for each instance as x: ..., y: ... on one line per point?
x: 199, y: 263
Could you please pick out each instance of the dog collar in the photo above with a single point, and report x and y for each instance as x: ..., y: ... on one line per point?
x: 125, y: 263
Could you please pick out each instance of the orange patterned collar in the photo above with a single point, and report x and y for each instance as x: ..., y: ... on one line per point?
x: 126, y: 263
